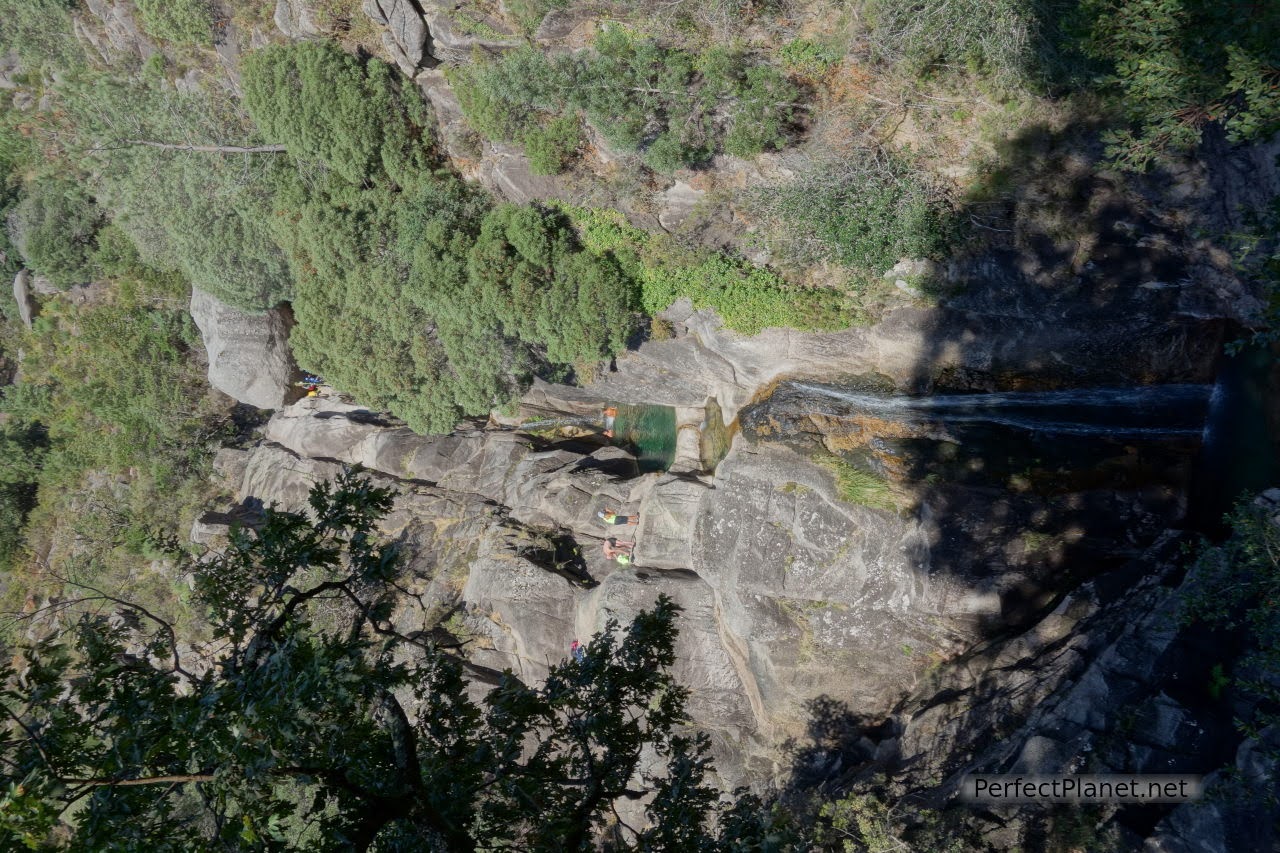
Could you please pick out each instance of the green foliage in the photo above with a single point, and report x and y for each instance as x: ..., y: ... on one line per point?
x: 178, y: 21
x: 365, y: 314
x: 356, y: 117
x: 55, y: 227
x: 866, y: 211
x: 424, y: 303
x: 296, y: 734
x: 39, y: 32
x: 677, y: 107
x: 527, y: 271
x: 863, y: 824
x: 995, y: 38
x: 116, y: 396
x: 1178, y: 66
x: 1256, y: 247
x: 552, y: 147
x: 205, y: 215
x: 120, y: 386
x: 747, y: 298
x: 22, y: 450
x: 528, y: 14
x: 1236, y: 586
x: 807, y: 57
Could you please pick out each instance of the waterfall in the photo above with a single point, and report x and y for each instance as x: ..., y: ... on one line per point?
x: 1156, y: 410
x: 552, y: 423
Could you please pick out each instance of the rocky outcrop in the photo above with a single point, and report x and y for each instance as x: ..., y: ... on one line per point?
x: 249, y: 358
x: 678, y: 204
x: 109, y: 29
x: 296, y: 20
x: 966, y: 345
x: 405, y: 35
x: 789, y: 592
x: 1111, y: 681
x: 27, y: 305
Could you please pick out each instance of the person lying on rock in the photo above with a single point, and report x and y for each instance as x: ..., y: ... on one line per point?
x: 608, y: 516
x: 619, y: 551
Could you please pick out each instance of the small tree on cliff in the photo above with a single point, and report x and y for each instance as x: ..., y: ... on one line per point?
x: 306, y: 730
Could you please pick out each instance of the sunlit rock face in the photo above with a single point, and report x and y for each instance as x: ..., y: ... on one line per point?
x: 249, y: 357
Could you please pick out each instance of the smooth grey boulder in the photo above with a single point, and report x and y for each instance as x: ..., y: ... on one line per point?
x: 296, y: 20
x: 27, y: 306
x: 249, y: 358
x: 455, y: 31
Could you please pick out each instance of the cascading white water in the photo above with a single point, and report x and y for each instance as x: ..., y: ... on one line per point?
x: 551, y: 423
x: 1158, y: 410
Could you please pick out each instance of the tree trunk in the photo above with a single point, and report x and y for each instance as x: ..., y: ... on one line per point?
x: 210, y: 149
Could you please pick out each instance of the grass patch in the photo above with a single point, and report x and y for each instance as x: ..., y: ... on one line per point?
x: 858, y: 486
x: 748, y: 299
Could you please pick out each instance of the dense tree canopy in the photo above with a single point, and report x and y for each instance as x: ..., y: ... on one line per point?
x: 308, y: 724
x: 351, y: 115
x: 1182, y: 65
x: 412, y: 291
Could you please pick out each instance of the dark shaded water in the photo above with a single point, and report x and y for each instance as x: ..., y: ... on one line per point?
x: 1213, y: 440
x: 1239, y: 452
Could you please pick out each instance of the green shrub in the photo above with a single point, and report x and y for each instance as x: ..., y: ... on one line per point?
x: 528, y: 14
x: 529, y: 272
x: 665, y: 154
x: 178, y: 21
x: 626, y: 87
x: 748, y: 299
x: 427, y: 304
x: 552, y: 147
x: 202, y: 214
x: 55, y: 227
x: 1236, y: 586
x: 39, y: 32
x: 808, y: 58
x: 859, y: 486
x: 197, y: 214
x: 866, y: 211
x: 761, y: 120
x: 22, y: 448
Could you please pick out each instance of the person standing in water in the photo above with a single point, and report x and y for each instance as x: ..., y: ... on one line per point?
x: 609, y: 414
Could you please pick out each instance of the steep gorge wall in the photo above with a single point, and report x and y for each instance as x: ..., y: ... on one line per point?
x: 789, y: 593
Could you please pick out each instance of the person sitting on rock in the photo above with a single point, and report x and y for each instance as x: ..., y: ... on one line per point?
x: 610, y: 414
x: 608, y: 516
x: 619, y: 551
